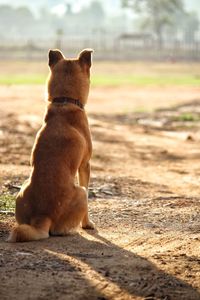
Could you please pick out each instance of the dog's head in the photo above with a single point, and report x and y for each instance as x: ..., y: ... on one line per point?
x: 69, y: 77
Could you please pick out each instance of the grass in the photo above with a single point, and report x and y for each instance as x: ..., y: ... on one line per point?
x: 22, y: 79
x: 111, y: 80
x: 7, y: 202
x: 188, y: 117
x: 108, y: 74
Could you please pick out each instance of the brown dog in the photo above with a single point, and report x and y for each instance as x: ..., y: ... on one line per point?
x: 50, y: 201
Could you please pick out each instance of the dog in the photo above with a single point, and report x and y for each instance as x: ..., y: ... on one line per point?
x: 50, y: 202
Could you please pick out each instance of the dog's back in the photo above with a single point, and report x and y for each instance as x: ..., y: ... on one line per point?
x: 50, y: 201
x: 62, y: 144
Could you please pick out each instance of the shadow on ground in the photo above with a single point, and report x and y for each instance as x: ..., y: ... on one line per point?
x: 85, y: 267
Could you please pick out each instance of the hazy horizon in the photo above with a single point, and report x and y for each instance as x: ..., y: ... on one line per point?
x: 103, y: 25
x: 110, y: 6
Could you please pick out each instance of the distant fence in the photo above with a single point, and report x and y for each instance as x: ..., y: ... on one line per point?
x: 106, y: 48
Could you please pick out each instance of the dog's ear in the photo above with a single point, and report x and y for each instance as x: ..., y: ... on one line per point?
x: 85, y: 57
x: 54, y: 57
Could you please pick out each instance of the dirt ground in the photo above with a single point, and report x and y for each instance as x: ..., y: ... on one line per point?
x: 144, y: 199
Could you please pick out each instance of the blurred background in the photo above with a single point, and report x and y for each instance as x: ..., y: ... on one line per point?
x: 116, y: 29
x: 137, y: 43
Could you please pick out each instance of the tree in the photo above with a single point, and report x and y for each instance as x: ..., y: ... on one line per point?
x: 93, y: 14
x: 157, y: 14
x: 186, y: 24
x: 191, y: 27
x: 20, y: 21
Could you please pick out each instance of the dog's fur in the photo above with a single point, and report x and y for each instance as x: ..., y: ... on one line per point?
x: 50, y: 202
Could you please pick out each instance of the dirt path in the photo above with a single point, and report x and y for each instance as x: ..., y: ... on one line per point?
x: 144, y: 199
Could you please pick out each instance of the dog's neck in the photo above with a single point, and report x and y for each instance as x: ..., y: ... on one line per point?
x: 66, y: 100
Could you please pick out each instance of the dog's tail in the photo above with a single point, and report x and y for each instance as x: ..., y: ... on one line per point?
x: 38, y: 230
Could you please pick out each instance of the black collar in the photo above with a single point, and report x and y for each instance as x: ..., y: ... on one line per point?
x: 65, y: 100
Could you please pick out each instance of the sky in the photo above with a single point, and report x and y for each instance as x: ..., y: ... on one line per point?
x: 111, y: 6
x: 193, y: 5
x: 108, y: 4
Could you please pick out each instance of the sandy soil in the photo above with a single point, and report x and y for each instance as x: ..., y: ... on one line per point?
x: 144, y: 200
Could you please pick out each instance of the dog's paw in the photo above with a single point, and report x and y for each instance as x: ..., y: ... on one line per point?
x: 89, y: 225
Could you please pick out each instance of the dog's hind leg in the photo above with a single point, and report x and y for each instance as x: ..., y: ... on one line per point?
x: 78, y: 209
x: 77, y: 213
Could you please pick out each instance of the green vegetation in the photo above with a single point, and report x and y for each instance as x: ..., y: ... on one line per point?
x: 22, y: 79
x: 7, y: 202
x: 108, y: 74
x: 188, y: 117
x: 140, y: 80
x: 110, y: 80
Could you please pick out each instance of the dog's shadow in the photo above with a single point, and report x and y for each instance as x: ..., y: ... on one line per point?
x: 110, y: 272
